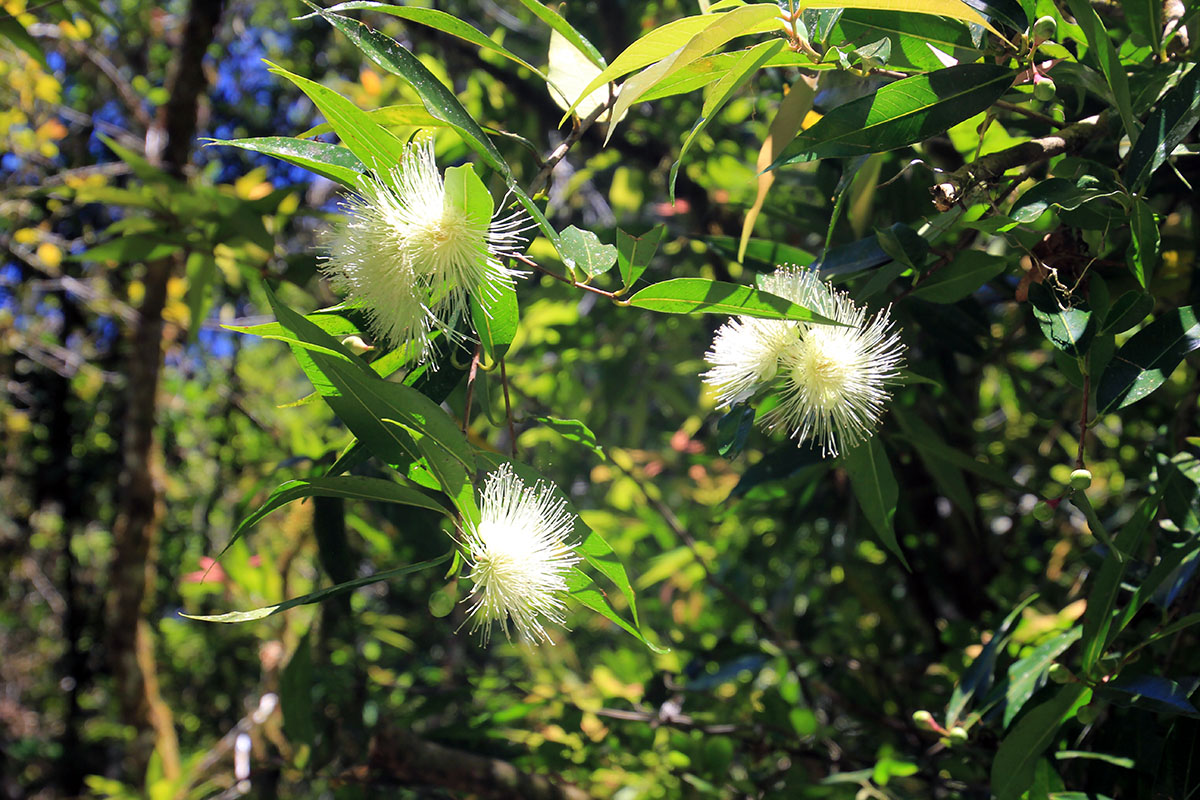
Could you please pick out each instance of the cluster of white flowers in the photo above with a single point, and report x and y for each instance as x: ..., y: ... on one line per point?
x: 410, y: 258
x: 832, y: 380
x: 520, y: 555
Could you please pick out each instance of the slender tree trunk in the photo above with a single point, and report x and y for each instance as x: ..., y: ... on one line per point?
x: 132, y: 572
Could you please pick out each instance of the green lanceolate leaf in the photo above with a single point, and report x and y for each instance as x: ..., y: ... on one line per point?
x: 747, y: 64
x: 876, y: 489
x: 316, y: 597
x: 1143, y: 246
x: 910, y: 35
x: 740, y: 21
x: 1144, y: 363
x: 1068, y: 324
x: 440, y: 101
x: 1177, y: 114
x: 634, y: 253
x: 375, y: 146
x: 439, y: 20
x: 556, y: 22
x: 585, y: 591
x: 327, y: 160
x: 1110, y: 62
x: 584, y: 252
x: 408, y: 115
x: 349, y: 487
x: 704, y: 296
x: 1127, y: 311
x: 954, y: 9
x: 573, y: 430
x: 1013, y: 768
x: 979, y: 676
x: 495, y: 316
x: 1062, y: 193
x: 901, y: 113
x: 1027, y: 674
x: 962, y: 277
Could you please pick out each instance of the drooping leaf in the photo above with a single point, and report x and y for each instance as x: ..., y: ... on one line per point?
x: 328, y: 160
x: 1026, y: 675
x: 1110, y: 62
x: 876, y: 489
x: 704, y: 296
x: 585, y: 591
x: 1153, y: 693
x: 573, y: 430
x: 406, y: 115
x: 962, y: 277
x: 978, y: 678
x: 634, y: 253
x: 1144, y: 363
x: 1177, y: 114
x: 318, y: 596
x: 1143, y: 247
x: 1127, y: 311
x: 747, y: 64
x: 1013, y: 767
x: 563, y: 28
x: 901, y: 113
x: 1066, y: 323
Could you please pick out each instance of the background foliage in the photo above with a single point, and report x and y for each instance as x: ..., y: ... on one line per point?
x: 939, y: 614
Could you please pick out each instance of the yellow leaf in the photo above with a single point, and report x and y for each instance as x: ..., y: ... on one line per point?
x: 954, y: 9
x: 794, y: 111
x: 49, y: 254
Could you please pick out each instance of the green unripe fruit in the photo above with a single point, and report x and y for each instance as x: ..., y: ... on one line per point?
x: 1088, y: 714
x: 1060, y: 674
x: 1081, y: 479
x: 1042, y: 512
x: 923, y: 720
x: 958, y: 735
x: 1044, y: 91
x: 1045, y: 28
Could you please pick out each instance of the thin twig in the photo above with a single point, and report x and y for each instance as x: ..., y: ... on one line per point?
x: 512, y: 431
x: 1083, y: 420
x: 1029, y: 112
x: 529, y: 262
x: 560, y: 152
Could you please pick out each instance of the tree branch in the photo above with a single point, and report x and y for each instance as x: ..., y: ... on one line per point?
x: 408, y: 760
x: 957, y: 184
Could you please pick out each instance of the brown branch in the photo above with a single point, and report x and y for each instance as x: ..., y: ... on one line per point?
x: 1083, y: 420
x: 955, y: 185
x: 407, y: 760
x: 1029, y: 112
x: 560, y: 152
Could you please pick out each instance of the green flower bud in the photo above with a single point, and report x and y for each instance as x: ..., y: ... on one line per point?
x: 1081, y: 479
x: 1045, y: 28
x: 1060, y: 674
x: 958, y: 735
x: 1045, y: 91
x: 924, y: 720
x: 1042, y: 512
x: 356, y: 345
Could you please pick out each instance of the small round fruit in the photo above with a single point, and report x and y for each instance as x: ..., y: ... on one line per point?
x: 1045, y: 28
x: 923, y: 720
x: 958, y: 735
x: 1081, y: 479
x: 1045, y: 91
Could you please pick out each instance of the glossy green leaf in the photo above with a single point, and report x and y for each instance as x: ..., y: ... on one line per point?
x: 1062, y: 193
x: 740, y: 21
x: 1027, y: 674
x: 748, y: 62
x: 408, y: 115
x: 439, y: 20
x: 634, y: 253
x: 1177, y: 114
x: 375, y: 146
x: 348, y: 486
x: 876, y: 489
x: 962, y: 277
x: 1102, y: 599
x: 573, y: 430
x: 439, y: 100
x: 901, y: 113
x: 1144, y: 363
x: 704, y: 296
x: 665, y: 40
x: 1142, y: 255
x: 556, y: 23
x: 1105, y: 53
x: 762, y: 253
x: 318, y: 596
x: 1067, y: 323
x: 1127, y: 311
x: 979, y: 676
x: 586, y: 253
x: 1013, y: 767
x: 585, y: 591
x: 910, y: 35
x: 327, y: 160
x: 495, y: 316
x: 1151, y: 692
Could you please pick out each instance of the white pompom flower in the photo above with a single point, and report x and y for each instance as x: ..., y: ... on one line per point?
x: 745, y: 352
x: 409, y: 253
x: 520, y: 555
x: 835, y: 378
